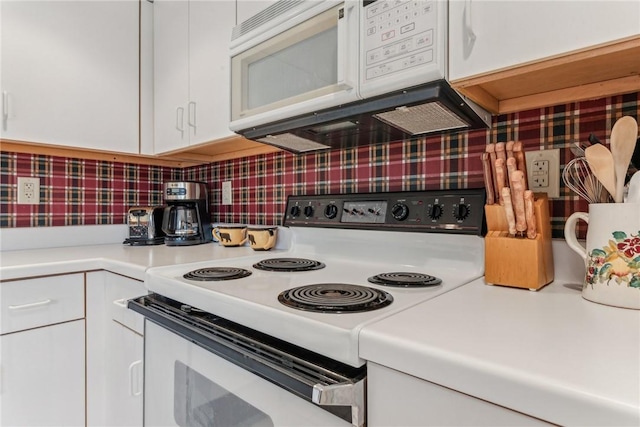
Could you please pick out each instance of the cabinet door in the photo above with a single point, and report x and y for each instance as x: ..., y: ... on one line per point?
x: 171, y: 74
x: 487, y: 35
x: 70, y: 73
x: 114, y: 343
x: 209, y: 76
x: 124, y: 374
x: 43, y: 376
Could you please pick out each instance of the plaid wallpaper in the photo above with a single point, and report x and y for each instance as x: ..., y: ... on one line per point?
x: 76, y: 192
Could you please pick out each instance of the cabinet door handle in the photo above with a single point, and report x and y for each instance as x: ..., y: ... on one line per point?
x: 180, y: 120
x: 191, y: 119
x: 5, y: 108
x: 30, y: 305
x: 468, y: 36
x: 134, y: 383
x: 122, y: 303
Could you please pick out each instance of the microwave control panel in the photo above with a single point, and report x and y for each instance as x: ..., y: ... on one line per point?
x: 398, y: 35
x: 448, y: 211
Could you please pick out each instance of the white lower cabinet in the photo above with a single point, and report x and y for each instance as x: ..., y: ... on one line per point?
x: 42, y: 364
x: 124, y: 375
x: 398, y: 399
x: 43, y: 376
x: 114, y: 351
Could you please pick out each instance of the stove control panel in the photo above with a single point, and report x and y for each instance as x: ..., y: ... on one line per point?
x: 446, y: 211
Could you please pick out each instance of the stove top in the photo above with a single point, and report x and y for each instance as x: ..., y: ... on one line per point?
x: 354, y: 276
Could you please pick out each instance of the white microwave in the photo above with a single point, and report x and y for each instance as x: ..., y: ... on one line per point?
x: 310, y: 64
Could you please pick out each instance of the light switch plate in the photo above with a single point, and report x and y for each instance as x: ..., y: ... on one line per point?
x: 543, y: 172
x: 226, y: 193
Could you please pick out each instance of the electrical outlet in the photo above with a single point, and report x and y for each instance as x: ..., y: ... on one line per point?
x: 543, y: 172
x: 226, y: 193
x: 28, y: 191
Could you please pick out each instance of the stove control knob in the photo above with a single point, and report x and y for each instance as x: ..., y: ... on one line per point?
x: 331, y: 211
x: 435, y: 212
x: 308, y: 211
x: 400, y: 211
x: 294, y: 211
x: 461, y: 212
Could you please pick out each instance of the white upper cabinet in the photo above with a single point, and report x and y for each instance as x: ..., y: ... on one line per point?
x: 70, y: 73
x: 488, y: 35
x: 248, y: 8
x: 191, y: 72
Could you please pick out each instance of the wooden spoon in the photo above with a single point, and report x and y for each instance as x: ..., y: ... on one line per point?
x: 600, y: 161
x: 623, y: 142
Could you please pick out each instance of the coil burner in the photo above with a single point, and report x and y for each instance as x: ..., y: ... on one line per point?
x: 288, y: 264
x: 405, y: 280
x: 335, y: 298
x: 213, y: 274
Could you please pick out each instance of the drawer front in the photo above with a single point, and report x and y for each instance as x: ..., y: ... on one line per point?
x: 120, y: 289
x: 31, y: 303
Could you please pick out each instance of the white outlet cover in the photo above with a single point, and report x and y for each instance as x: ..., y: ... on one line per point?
x: 226, y: 193
x: 553, y: 157
x: 28, y: 191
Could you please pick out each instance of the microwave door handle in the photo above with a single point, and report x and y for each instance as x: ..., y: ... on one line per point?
x: 344, y: 57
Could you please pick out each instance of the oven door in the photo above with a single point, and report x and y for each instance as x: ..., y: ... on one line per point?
x: 196, y: 376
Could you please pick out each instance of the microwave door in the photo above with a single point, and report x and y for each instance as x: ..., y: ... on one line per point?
x: 307, y: 67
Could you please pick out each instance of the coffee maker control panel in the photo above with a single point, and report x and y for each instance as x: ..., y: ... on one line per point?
x: 185, y: 190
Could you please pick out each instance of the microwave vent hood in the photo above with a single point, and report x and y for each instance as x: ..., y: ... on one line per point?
x: 428, y: 108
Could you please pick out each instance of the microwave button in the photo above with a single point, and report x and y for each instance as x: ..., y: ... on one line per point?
x: 388, y: 35
x: 371, y: 31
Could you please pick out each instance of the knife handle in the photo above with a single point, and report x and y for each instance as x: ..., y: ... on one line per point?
x: 488, y: 178
x: 501, y: 151
x: 518, y: 153
x: 530, y: 214
x: 491, y: 149
x: 517, y: 185
x: 509, y: 148
x: 500, y: 177
x: 508, y: 210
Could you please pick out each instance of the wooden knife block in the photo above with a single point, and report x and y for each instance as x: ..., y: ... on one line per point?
x: 518, y: 262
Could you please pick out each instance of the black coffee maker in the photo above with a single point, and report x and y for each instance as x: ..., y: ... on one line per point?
x: 186, y: 220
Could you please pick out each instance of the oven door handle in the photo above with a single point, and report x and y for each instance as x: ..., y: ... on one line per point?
x: 344, y: 394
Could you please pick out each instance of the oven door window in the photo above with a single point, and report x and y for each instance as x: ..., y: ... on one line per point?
x: 199, y: 402
x: 186, y: 385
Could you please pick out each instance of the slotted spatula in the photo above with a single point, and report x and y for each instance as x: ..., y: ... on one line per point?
x: 601, y: 163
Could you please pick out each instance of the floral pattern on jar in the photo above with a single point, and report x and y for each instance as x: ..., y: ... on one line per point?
x: 618, y: 261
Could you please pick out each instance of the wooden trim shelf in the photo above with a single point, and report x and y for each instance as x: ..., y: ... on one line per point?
x: 595, y: 72
x: 215, y: 151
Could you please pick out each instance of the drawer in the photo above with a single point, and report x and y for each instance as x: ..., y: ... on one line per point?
x: 42, y: 301
x: 119, y: 290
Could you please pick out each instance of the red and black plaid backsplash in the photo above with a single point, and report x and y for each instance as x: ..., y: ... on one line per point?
x: 75, y: 192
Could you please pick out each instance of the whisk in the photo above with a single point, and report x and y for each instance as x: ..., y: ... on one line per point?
x: 577, y: 175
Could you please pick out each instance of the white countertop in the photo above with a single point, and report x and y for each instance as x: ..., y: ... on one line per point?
x: 131, y: 261
x: 550, y: 354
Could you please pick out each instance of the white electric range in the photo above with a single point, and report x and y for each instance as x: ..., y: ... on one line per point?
x: 353, y: 259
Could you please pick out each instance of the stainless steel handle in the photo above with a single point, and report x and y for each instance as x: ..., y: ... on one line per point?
x: 30, y: 305
x: 347, y: 394
x: 134, y: 383
x: 180, y: 120
x: 191, y: 117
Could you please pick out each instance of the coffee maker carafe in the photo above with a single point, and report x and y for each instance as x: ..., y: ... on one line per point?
x: 186, y: 220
